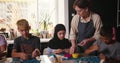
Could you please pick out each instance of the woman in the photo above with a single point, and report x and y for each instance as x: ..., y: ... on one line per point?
x: 85, y: 26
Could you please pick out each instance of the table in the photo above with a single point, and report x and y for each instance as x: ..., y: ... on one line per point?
x: 46, y: 59
x: 61, y: 59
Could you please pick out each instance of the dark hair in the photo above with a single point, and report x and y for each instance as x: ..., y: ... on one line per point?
x: 58, y: 27
x: 81, y: 3
x: 106, y: 31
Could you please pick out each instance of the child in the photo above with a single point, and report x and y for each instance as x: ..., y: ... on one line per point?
x: 26, y: 47
x: 58, y: 44
x: 3, y: 45
x: 107, y: 46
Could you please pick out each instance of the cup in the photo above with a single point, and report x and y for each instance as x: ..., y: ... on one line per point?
x: 75, y: 55
x: 68, y: 55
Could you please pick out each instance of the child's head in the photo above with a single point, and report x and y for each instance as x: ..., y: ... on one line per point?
x: 106, y: 34
x: 23, y: 27
x: 60, y: 31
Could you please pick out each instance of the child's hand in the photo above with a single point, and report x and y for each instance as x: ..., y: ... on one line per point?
x: 67, y: 50
x: 102, y: 58
x: 23, y: 56
x: 57, y: 51
x: 35, y: 53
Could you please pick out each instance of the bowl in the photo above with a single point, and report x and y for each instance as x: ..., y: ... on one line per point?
x: 75, y: 55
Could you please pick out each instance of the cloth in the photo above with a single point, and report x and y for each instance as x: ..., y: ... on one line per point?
x: 59, y: 44
x: 26, y: 45
x: 111, y: 50
x: 74, y: 25
x: 85, y: 30
x: 2, y: 40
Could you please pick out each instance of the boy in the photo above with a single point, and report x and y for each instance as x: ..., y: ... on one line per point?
x: 25, y: 47
x: 108, y: 48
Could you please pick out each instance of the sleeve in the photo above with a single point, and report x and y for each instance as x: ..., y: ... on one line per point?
x: 37, y: 43
x: 2, y: 40
x: 98, y: 24
x: 74, y: 24
x: 16, y: 45
x: 47, y: 51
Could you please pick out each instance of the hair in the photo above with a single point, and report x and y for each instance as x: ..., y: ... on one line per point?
x: 23, y: 22
x: 81, y: 3
x: 106, y: 31
x: 58, y: 27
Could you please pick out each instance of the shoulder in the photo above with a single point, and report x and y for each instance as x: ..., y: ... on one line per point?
x: 2, y: 40
x: 75, y: 18
x: 66, y: 40
x: 18, y: 38
x: 35, y: 37
x: 117, y: 44
x: 98, y: 42
x: 51, y: 40
x: 95, y: 15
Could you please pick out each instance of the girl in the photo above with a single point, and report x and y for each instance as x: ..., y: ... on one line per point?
x: 58, y: 44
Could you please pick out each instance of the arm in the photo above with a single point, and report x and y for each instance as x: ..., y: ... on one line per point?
x: 20, y: 55
x: 85, y: 41
x: 72, y: 48
x: 56, y: 51
x: 92, y: 49
x: 67, y: 50
x: 97, y: 24
x: 73, y: 32
x: 104, y: 59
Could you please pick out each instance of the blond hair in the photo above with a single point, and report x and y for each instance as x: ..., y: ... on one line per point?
x: 23, y: 22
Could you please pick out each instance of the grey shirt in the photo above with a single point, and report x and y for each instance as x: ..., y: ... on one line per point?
x: 111, y: 50
x: 26, y: 45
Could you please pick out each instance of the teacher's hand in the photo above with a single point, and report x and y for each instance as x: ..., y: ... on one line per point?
x: 72, y: 49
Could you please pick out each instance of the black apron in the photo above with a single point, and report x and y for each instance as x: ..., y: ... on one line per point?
x: 85, y: 30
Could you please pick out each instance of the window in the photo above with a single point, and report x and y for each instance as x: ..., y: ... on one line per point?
x: 41, y: 14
